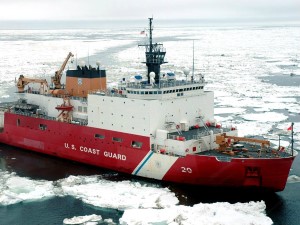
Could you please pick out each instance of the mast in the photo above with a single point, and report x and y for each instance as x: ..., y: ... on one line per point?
x: 292, y: 139
x: 155, y: 54
x: 193, y: 73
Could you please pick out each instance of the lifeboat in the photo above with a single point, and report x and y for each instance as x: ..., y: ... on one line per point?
x: 64, y: 107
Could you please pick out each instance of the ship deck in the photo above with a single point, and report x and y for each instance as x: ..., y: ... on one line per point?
x: 197, y: 132
x: 239, y: 149
x: 5, y: 106
x: 252, y: 152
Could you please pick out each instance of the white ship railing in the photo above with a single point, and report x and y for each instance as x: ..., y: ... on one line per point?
x: 163, y: 84
x: 81, y: 122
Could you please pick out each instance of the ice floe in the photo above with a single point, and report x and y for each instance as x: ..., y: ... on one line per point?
x: 265, y: 117
x: 87, y: 220
x: 14, y: 189
x: 252, y: 213
x: 142, y: 204
x: 91, y: 189
x: 293, y: 179
x: 250, y: 128
x: 117, y: 195
x: 229, y: 110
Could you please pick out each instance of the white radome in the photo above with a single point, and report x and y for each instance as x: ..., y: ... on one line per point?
x: 186, y: 71
x: 82, y: 63
x: 152, y: 74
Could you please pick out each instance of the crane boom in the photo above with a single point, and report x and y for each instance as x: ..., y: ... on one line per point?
x: 221, y: 141
x: 23, y: 81
x: 58, y: 74
x: 253, y: 140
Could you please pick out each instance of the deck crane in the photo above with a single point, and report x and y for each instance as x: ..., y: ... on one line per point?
x: 23, y: 81
x: 58, y: 74
x: 223, y: 144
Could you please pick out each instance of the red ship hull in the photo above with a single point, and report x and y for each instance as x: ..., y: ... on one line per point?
x: 79, y: 143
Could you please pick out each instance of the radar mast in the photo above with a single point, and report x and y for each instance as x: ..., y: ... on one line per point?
x: 155, y: 54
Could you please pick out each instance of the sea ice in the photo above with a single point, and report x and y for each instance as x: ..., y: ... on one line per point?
x: 229, y: 110
x: 118, y: 195
x: 265, y: 117
x: 293, y: 179
x: 16, y: 189
x: 142, y: 204
x: 89, y: 219
x: 252, y: 213
x: 250, y: 128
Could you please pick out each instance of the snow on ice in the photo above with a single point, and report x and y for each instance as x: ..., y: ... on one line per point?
x: 142, y: 204
x: 252, y: 213
x: 293, y: 179
x: 117, y: 195
x: 90, y: 219
x: 229, y: 110
x: 265, y: 117
x: 14, y: 189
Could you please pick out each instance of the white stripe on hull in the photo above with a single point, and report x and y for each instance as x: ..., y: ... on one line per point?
x: 155, y: 165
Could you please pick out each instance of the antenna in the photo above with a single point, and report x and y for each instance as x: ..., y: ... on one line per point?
x: 292, y: 138
x: 193, y: 62
x: 76, y: 59
x: 88, y: 56
x: 155, y: 54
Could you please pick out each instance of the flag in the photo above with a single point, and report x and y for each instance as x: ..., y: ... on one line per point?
x: 289, y: 128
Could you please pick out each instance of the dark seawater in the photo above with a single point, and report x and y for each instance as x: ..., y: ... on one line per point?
x: 51, y: 211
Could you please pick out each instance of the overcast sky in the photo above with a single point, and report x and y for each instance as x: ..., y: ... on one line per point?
x: 141, y: 9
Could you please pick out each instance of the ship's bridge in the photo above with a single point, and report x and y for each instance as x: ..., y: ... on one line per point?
x: 163, y: 90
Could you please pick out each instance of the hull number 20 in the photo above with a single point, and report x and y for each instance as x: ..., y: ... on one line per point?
x: 186, y: 170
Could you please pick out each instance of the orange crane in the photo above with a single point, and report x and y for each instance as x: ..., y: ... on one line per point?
x: 221, y: 141
x: 58, y: 74
x: 23, y: 81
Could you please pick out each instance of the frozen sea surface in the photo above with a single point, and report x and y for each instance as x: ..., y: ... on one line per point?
x: 141, y: 204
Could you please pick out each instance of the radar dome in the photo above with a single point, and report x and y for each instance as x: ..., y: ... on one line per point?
x: 98, y: 63
x: 152, y: 74
x: 82, y: 63
x: 186, y: 71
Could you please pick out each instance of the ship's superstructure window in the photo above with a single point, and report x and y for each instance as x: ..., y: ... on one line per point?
x: 85, y: 109
x: 164, y: 92
x: 43, y: 127
x: 116, y: 139
x: 79, y: 108
x: 100, y: 136
x: 136, y: 144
